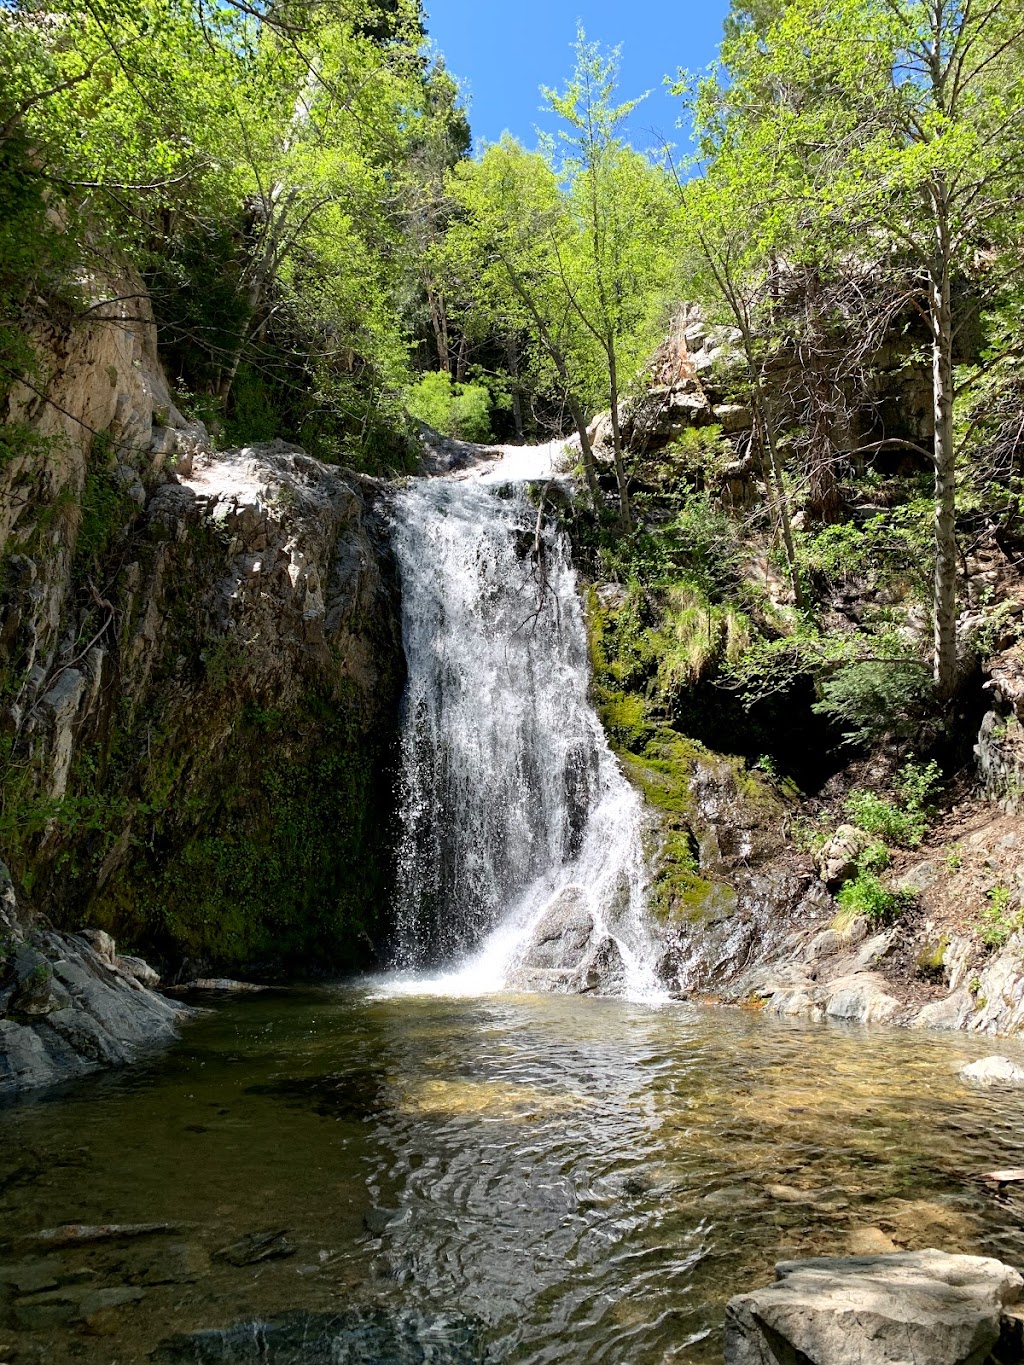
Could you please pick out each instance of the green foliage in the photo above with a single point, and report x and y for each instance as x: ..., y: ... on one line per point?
x: 459, y: 410
x: 876, y: 699
x: 106, y: 510
x: 865, y: 895
x: 903, y: 824
x: 890, y: 550
x: 999, y: 919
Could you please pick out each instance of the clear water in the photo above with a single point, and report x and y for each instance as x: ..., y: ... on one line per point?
x: 591, y: 1178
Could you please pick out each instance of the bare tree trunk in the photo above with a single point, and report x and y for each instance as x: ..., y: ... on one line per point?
x: 586, y: 449
x: 512, y: 352
x: 620, y: 466
x: 823, y: 499
x: 945, y: 606
x: 772, y: 446
x: 462, y: 360
x: 439, y: 322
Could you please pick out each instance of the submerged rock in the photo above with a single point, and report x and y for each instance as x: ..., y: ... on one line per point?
x: 911, y: 1308
x: 354, y: 1337
x: 993, y: 1071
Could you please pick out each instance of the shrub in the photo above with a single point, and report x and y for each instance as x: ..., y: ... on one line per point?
x: 873, y: 814
x: 874, y: 700
x: 866, y: 896
x: 916, y: 784
x: 459, y: 410
x: 998, y: 920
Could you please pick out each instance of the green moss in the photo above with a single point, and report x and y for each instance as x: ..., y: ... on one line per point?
x: 272, y: 857
x: 930, y: 959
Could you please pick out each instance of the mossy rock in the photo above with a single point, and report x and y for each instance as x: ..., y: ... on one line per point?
x: 931, y: 958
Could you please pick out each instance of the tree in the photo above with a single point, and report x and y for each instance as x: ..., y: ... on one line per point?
x: 508, y: 241
x: 725, y: 225
x: 895, y: 132
x: 615, y: 265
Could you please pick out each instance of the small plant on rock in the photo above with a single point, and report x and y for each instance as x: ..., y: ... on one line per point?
x: 998, y: 920
x: 904, y: 823
x: 867, y: 896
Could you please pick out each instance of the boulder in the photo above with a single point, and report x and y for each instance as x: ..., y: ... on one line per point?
x: 561, y: 937
x: 910, y: 1308
x: 837, y: 860
x: 993, y: 1071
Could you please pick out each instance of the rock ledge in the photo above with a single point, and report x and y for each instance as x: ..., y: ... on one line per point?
x: 908, y: 1308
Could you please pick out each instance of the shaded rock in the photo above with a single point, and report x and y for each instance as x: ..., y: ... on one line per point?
x: 993, y: 1071
x: 73, y: 1012
x: 911, y: 1308
x: 356, y: 1337
x: 256, y: 1247
x: 837, y: 860
x: 85, y: 1234
x: 222, y: 983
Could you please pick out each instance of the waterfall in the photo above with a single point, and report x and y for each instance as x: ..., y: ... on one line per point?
x: 520, y: 860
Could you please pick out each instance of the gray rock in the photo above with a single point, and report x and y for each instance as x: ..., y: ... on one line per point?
x: 951, y: 1013
x: 920, y: 877
x: 562, y: 937
x: 861, y: 999
x: 137, y: 970
x: 837, y: 860
x: 73, y: 1012
x: 911, y: 1308
x: 733, y: 417
x: 993, y: 1071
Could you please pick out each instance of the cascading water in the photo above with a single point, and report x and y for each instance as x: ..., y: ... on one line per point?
x: 520, y: 860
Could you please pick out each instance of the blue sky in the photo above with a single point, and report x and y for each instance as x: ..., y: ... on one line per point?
x: 504, y: 52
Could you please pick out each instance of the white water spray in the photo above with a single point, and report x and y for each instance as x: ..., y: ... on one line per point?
x: 512, y: 803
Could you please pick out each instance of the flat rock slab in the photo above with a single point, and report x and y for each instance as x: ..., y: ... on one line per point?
x: 354, y: 1337
x: 910, y: 1308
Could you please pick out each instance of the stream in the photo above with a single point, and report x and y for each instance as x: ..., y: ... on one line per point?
x: 584, y: 1179
x: 462, y: 1160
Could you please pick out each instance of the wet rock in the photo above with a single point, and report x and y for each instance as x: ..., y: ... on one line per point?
x: 562, y: 936
x: 911, y: 1308
x: 837, y: 860
x: 993, y: 1071
x: 356, y: 1336
x: 69, y: 1010
x: 604, y: 972
x: 222, y: 983
x: 88, y: 1234
x: 33, y: 994
x: 256, y: 1247
x: 182, y: 1263
x: 861, y: 998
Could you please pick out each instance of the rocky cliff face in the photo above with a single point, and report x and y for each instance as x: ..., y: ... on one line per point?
x: 200, y: 666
